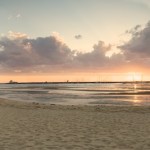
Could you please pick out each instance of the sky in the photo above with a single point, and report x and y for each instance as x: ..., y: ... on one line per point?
x: 59, y: 40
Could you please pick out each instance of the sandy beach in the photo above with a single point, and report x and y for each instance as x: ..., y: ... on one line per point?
x: 34, y: 126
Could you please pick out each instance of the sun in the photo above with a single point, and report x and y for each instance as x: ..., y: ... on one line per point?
x: 134, y: 76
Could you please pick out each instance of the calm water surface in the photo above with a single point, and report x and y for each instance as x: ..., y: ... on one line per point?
x: 88, y: 93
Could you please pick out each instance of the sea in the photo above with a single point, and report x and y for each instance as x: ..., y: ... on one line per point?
x: 124, y: 93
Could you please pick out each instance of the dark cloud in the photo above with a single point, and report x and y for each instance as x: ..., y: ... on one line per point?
x: 50, y: 51
x: 134, y: 31
x: 137, y: 49
x: 96, y: 59
x: 27, y: 53
x: 78, y: 36
x: 49, y: 54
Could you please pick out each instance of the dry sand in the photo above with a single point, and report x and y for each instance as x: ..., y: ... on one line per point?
x: 33, y: 126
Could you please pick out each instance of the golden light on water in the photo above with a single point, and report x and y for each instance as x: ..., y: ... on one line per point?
x: 135, y: 86
x: 136, y: 100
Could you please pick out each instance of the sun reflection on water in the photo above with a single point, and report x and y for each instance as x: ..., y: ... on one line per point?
x: 136, y: 100
x: 135, y: 86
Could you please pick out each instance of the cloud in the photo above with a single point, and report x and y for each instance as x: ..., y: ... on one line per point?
x: 96, y: 56
x: 17, y: 35
x: 137, y: 50
x: 58, y: 36
x: 50, y: 54
x: 134, y: 31
x: 138, y: 47
x: 97, y: 59
x: 19, y: 52
x: 78, y: 36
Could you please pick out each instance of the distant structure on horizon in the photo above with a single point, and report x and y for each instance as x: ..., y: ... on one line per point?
x: 12, y: 82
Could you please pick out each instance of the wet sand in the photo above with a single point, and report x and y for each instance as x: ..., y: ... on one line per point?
x: 34, y: 126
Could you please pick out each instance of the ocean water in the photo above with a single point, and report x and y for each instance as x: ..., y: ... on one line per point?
x: 79, y: 93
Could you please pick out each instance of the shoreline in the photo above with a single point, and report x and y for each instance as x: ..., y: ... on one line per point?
x: 102, y: 107
x: 85, y: 107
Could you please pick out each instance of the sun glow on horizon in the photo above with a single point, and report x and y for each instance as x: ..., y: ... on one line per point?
x: 77, y: 77
x: 134, y: 76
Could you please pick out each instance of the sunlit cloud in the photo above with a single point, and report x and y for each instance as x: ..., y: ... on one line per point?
x: 58, y: 36
x: 20, y: 52
x: 17, y: 35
